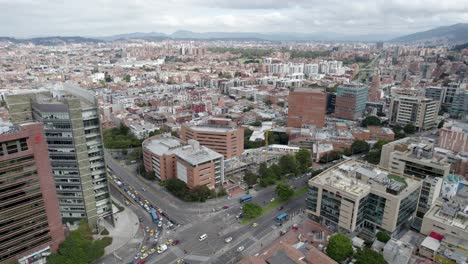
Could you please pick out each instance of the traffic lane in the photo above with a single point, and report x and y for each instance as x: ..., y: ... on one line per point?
x: 172, y: 211
x: 231, y: 255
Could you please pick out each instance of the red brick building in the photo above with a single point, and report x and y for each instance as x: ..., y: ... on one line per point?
x: 307, y: 107
x: 30, y: 221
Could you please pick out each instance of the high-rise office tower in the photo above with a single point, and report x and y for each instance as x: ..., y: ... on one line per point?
x: 307, y: 107
x: 30, y: 224
x: 351, y: 101
x: 72, y: 130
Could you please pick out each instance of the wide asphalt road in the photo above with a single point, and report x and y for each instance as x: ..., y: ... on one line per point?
x: 199, y: 218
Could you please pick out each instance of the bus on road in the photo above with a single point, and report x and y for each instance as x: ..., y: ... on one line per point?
x: 280, y: 218
x: 245, y: 199
x: 154, y: 215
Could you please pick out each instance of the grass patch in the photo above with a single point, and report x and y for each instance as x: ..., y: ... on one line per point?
x: 397, y: 179
x: 275, y: 204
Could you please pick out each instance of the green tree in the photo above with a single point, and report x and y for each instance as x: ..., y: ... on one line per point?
x: 373, y: 156
x: 284, y: 191
x: 371, y: 121
x: 79, y: 247
x: 304, y: 160
x: 199, y: 193
x: 256, y: 123
x: 288, y: 164
x: 379, y: 144
x: 280, y: 104
x: 359, y: 146
x: 369, y: 256
x: 251, y: 210
x: 120, y: 138
x: 409, y: 129
x: 250, y: 178
x: 268, y: 102
x: 339, y: 247
x: 331, y: 156
x: 127, y: 78
x: 382, y: 236
x: 176, y: 187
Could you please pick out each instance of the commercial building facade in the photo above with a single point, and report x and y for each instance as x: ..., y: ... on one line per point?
x: 351, y: 101
x: 414, y: 157
x: 353, y: 195
x: 30, y: 223
x: 222, y: 137
x: 307, y: 107
x: 73, y: 134
x: 418, y: 111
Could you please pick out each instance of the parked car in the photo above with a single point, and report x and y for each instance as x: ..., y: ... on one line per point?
x: 240, y: 249
x: 254, y: 225
x: 225, y: 207
x: 228, y: 239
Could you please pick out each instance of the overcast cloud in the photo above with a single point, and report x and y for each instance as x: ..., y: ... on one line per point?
x: 24, y: 18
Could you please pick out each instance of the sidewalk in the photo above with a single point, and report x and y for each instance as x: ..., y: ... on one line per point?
x: 125, y: 229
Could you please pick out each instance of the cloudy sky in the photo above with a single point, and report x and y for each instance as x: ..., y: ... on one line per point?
x: 24, y: 18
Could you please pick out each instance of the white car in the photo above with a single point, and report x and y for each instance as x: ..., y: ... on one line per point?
x: 160, y: 224
x: 203, y: 237
x: 170, y: 224
x: 162, y: 248
x: 137, y: 256
x: 228, y: 239
x: 241, y: 248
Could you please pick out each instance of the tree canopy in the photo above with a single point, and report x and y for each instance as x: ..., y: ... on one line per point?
x: 251, y: 210
x: 382, y: 236
x: 79, y: 247
x: 250, y: 178
x: 288, y: 164
x: 369, y: 256
x: 180, y: 189
x: 371, y: 121
x: 409, y: 129
x: 331, y: 156
x: 359, y: 146
x: 339, y: 247
x: 284, y: 191
x: 120, y: 138
x: 304, y: 160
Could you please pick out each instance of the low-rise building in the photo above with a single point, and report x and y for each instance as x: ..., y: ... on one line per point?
x: 397, y: 252
x: 220, y: 135
x: 169, y: 157
x: 354, y: 195
x: 142, y: 129
x: 449, y: 219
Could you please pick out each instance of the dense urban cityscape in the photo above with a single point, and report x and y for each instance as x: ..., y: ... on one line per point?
x: 234, y: 148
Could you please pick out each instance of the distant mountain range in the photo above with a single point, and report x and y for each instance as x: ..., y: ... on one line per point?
x: 454, y: 34
x: 185, y: 34
x: 52, y: 41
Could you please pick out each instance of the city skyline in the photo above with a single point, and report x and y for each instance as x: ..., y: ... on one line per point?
x: 103, y: 18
